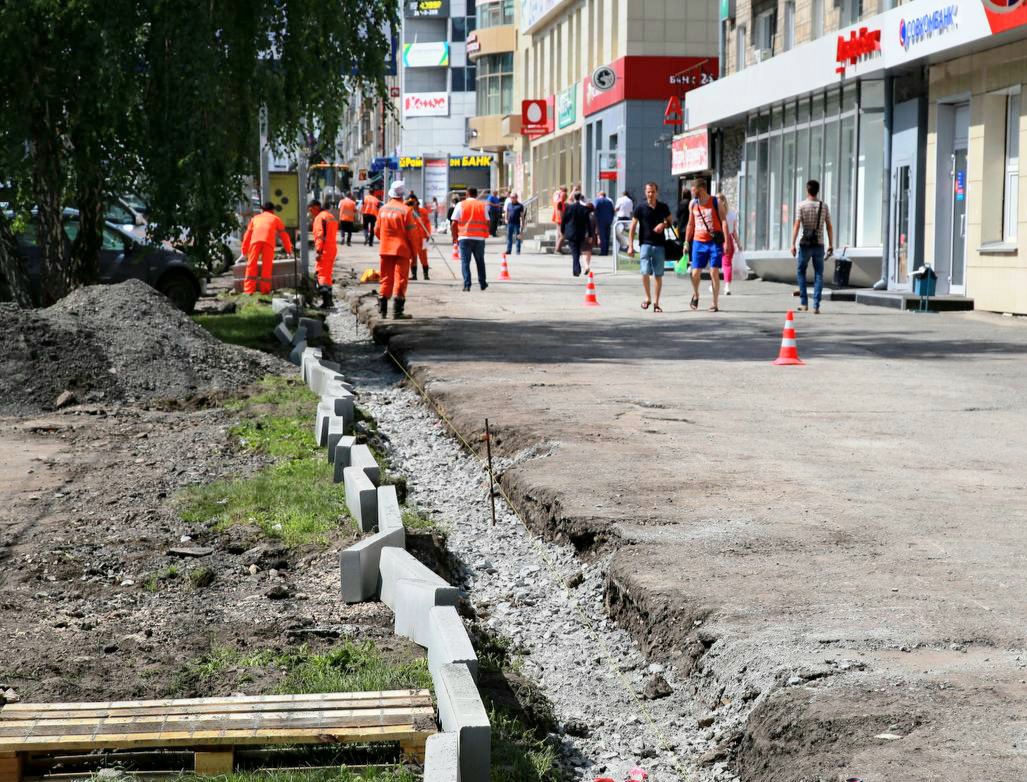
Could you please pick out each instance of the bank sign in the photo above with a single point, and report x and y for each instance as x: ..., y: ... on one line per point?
x: 921, y: 28
x: 416, y: 8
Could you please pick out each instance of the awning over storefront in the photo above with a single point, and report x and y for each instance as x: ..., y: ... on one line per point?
x: 923, y: 30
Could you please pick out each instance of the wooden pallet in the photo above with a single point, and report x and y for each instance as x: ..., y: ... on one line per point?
x: 212, y: 727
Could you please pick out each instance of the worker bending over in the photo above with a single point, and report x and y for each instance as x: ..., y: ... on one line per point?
x: 258, y: 245
x: 396, y: 229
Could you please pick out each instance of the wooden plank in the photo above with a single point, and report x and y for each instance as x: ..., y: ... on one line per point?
x: 414, y: 750
x: 314, y: 720
x: 11, y: 764
x: 413, y: 701
x: 12, y: 708
x: 219, y: 738
x: 211, y: 762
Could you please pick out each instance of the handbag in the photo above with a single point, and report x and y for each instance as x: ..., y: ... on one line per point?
x: 811, y: 236
x: 717, y: 237
x: 674, y: 248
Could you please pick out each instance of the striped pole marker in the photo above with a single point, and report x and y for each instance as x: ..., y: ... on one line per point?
x: 789, y: 354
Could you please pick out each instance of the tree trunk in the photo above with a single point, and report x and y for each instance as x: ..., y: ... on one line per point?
x: 11, y: 267
x: 48, y: 188
x: 84, y: 267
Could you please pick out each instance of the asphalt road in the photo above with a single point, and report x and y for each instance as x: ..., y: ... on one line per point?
x: 842, y: 545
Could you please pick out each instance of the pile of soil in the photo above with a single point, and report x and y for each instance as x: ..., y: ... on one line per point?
x: 122, y: 342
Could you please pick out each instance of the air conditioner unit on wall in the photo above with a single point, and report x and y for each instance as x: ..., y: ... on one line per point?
x: 764, y: 54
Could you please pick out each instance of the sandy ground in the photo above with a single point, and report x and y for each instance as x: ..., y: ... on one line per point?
x: 840, y: 546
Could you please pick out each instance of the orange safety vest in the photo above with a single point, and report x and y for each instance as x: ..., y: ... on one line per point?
x: 325, y: 228
x: 370, y: 205
x: 396, y: 229
x: 347, y: 210
x: 473, y: 223
x: 263, y: 228
x: 423, y: 222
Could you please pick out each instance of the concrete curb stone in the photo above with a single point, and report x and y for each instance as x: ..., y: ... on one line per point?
x: 361, y: 456
x: 442, y: 758
x: 296, y: 356
x: 448, y: 641
x: 314, y: 326
x: 399, y: 564
x: 361, y: 498
x: 462, y: 712
x: 414, y: 601
x: 339, y: 456
x: 336, y: 431
x: 358, y: 564
x: 300, y: 335
x: 283, y: 334
x: 389, y: 514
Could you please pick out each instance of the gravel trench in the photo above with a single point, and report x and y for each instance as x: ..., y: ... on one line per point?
x: 516, y: 584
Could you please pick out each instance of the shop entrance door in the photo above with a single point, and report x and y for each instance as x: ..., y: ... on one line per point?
x: 904, y: 238
x: 950, y: 251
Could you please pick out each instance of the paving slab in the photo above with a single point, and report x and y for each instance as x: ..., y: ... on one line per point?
x: 869, y: 502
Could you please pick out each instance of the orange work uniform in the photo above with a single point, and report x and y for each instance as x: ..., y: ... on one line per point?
x: 347, y: 216
x: 396, y: 229
x: 369, y: 208
x: 258, y: 245
x: 423, y: 231
x: 326, y: 229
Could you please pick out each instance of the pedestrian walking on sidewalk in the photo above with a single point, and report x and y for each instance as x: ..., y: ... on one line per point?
x: 397, y: 230
x: 325, y: 229
x: 575, y: 227
x: 559, y: 202
x: 732, y: 243
x: 472, y: 224
x: 704, y: 239
x: 514, y: 221
x: 591, y: 239
x: 495, y: 204
x: 369, y: 207
x: 435, y: 209
x: 604, y: 212
x: 347, y: 217
x: 453, y: 228
x: 258, y: 245
x: 651, y: 220
x: 812, y: 217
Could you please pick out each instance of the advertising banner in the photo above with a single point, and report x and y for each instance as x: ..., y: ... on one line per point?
x: 426, y: 104
x: 416, y: 8
x: 436, y: 179
x: 650, y: 78
x: 426, y: 55
x: 567, y: 106
x: 690, y: 152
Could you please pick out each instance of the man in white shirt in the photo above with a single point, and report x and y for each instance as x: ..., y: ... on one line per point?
x: 625, y: 207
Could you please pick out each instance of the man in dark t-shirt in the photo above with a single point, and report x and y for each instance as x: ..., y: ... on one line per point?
x: 651, y: 219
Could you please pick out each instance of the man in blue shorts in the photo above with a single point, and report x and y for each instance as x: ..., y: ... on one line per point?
x: 704, y: 239
x: 652, y: 219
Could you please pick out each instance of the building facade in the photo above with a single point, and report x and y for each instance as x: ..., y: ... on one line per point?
x: 610, y: 132
x: 910, y: 116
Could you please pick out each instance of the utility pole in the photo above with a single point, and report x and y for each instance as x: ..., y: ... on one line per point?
x: 301, y: 176
x: 265, y: 178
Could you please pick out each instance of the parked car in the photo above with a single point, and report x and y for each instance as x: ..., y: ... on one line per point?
x: 122, y: 257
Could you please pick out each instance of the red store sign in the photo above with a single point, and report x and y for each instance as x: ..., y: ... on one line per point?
x: 538, y: 116
x: 860, y: 45
x: 650, y: 78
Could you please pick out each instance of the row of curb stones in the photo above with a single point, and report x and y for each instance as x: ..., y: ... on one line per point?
x: 290, y: 317
x: 379, y: 567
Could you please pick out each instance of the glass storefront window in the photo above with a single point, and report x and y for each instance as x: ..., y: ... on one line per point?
x: 817, y: 103
x: 833, y: 102
x: 775, y: 118
x: 762, y: 187
x: 763, y: 122
x: 801, y: 164
x: 829, y: 178
x: 750, y: 194
x: 775, y: 194
x: 788, y: 171
x: 872, y: 95
x: 816, y: 152
x: 870, y: 179
x: 789, y: 114
x: 846, y: 165
x: 803, y: 115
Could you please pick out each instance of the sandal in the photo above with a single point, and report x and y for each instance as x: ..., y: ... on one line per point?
x: 714, y: 308
x: 695, y: 303
x: 645, y: 304
x: 657, y: 308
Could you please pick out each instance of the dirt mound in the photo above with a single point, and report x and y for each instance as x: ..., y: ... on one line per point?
x: 114, y: 342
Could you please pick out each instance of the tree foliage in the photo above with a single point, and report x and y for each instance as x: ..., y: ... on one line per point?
x: 161, y: 97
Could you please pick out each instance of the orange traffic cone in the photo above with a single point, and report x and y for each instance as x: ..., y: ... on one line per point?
x: 789, y: 355
x: 456, y: 252
x: 504, y: 270
x: 590, y: 291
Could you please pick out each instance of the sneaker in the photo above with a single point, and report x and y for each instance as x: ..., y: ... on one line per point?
x: 467, y: 288
x: 484, y: 285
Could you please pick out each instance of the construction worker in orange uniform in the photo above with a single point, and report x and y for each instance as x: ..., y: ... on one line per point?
x: 397, y: 230
x: 421, y: 216
x: 325, y: 228
x: 369, y: 209
x: 347, y: 216
x: 258, y: 245
x: 473, y: 229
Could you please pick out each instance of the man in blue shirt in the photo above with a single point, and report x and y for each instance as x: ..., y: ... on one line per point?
x: 604, y: 221
x: 514, y: 221
x: 495, y: 205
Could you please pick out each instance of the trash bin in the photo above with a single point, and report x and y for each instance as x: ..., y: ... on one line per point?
x: 925, y: 282
x: 842, y: 271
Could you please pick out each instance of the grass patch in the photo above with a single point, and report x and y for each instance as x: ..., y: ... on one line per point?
x: 293, y: 499
x: 415, y: 520
x: 156, y: 580
x: 252, y: 324
x: 518, y: 755
x: 322, y: 775
x: 347, y: 667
